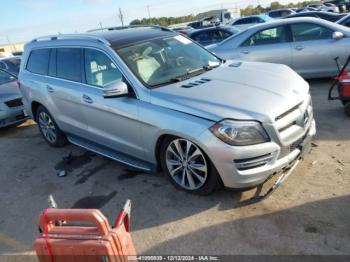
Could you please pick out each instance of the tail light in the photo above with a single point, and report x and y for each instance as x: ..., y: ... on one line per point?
x: 18, y: 83
x: 345, y: 88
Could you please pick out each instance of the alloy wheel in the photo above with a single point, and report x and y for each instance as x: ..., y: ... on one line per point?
x: 47, y: 127
x: 186, y: 164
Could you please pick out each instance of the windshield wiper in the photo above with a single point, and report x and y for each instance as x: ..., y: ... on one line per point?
x: 189, y: 74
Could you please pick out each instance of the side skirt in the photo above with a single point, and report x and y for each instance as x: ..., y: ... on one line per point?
x: 112, y: 154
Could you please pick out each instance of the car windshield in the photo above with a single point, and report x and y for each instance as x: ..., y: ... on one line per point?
x: 6, y: 78
x: 161, y: 61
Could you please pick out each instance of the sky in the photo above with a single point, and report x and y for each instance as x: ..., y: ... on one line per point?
x: 23, y: 20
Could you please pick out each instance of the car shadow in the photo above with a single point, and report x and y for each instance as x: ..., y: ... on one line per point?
x: 320, y: 227
x: 14, y: 130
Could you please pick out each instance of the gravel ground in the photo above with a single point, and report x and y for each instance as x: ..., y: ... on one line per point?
x: 308, y: 214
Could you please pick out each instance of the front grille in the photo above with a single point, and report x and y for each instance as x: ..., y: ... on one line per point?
x: 287, y: 112
x: 14, y: 103
x: 295, y: 145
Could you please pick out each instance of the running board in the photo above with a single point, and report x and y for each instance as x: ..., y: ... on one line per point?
x: 109, y: 153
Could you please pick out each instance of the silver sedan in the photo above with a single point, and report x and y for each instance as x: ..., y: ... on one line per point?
x: 307, y: 45
x: 11, y: 107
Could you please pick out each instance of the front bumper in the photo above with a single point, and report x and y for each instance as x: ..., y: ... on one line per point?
x: 223, y: 156
x: 12, y: 116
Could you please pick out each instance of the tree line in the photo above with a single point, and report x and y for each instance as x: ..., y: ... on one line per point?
x: 249, y: 10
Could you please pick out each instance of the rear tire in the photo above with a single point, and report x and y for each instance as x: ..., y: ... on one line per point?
x: 188, y: 167
x: 49, y: 129
x: 347, y: 109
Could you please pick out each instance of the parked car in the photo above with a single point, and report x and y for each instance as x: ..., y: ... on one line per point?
x: 329, y: 7
x: 332, y: 17
x: 247, y: 21
x: 213, y: 35
x: 307, y: 45
x: 11, y: 64
x: 305, y: 9
x: 11, y: 107
x: 343, y: 5
x: 280, y: 13
x: 345, y: 21
x: 150, y: 97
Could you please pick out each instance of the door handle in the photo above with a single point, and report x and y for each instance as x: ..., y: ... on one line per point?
x: 299, y: 47
x: 50, y: 89
x: 245, y: 52
x: 87, y: 99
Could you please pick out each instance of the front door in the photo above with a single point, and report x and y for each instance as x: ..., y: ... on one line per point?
x: 112, y: 122
x: 270, y: 45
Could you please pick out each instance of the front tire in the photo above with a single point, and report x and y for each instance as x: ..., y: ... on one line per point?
x: 188, y: 167
x: 49, y: 129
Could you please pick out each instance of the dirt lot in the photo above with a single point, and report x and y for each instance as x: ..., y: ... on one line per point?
x: 309, y: 214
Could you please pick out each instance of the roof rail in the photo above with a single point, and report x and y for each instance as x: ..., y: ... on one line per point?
x: 128, y: 27
x: 72, y: 37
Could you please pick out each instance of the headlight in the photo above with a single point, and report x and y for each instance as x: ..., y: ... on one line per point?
x: 240, y: 133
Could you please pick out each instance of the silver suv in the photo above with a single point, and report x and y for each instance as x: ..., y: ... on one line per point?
x: 153, y: 99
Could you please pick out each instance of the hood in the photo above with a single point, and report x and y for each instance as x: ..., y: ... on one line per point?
x: 236, y: 90
x: 9, y: 91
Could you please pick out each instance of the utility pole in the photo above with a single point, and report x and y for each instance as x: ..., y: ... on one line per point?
x: 13, y: 47
x: 100, y: 23
x: 149, y: 12
x: 121, y: 16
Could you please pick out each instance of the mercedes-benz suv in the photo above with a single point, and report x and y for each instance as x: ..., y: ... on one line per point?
x: 153, y: 99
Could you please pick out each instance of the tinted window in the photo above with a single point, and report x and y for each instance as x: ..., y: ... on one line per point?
x: 3, y: 65
x: 5, y: 78
x: 225, y: 34
x: 99, y: 69
x: 201, y: 37
x: 274, y: 35
x: 52, y: 63
x: 243, y: 21
x: 39, y: 61
x: 309, y: 32
x: 275, y: 14
x: 69, y: 64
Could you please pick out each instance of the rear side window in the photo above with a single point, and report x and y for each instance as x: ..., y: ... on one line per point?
x: 69, y: 64
x: 38, y: 61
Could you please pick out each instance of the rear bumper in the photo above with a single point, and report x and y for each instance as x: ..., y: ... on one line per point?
x: 12, y: 116
x: 235, y: 177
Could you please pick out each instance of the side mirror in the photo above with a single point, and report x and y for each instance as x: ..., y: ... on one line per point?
x: 338, y: 35
x: 115, y: 89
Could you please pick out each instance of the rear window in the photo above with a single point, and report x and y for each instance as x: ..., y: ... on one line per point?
x: 69, y: 64
x: 38, y: 61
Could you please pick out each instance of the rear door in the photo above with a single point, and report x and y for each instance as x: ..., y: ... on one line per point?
x: 64, y: 88
x: 314, y: 50
x: 268, y: 45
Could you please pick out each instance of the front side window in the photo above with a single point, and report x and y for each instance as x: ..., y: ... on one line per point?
x: 310, y: 32
x: 163, y: 60
x: 99, y: 69
x: 38, y: 61
x: 269, y: 36
x: 69, y: 64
